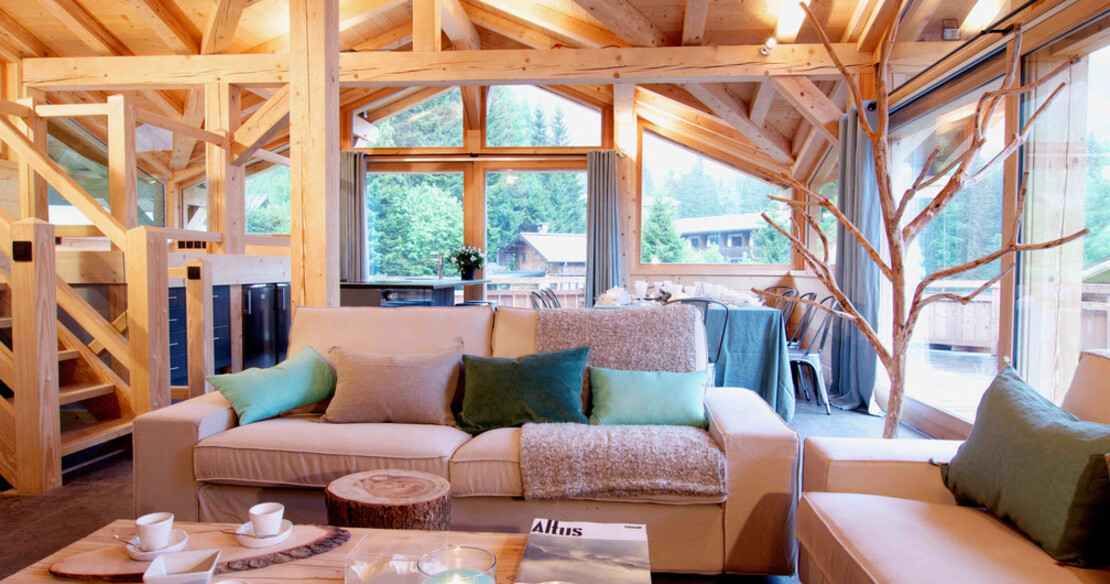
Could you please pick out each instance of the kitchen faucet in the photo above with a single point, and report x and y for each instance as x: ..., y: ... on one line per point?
x: 438, y: 260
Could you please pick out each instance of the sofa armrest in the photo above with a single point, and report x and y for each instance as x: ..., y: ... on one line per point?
x: 163, y: 442
x: 761, y: 454
x: 874, y: 466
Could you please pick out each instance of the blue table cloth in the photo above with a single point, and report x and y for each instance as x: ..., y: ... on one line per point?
x: 753, y: 355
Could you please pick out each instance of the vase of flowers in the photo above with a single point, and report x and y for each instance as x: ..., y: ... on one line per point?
x: 466, y: 259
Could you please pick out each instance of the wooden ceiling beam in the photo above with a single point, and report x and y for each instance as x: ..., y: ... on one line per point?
x: 626, y: 21
x: 178, y: 33
x: 650, y: 100
x: 219, y: 31
x: 183, y: 144
x: 390, y: 40
x: 916, y: 19
x: 86, y: 27
x: 517, y: 31
x: 427, y: 26
x: 762, y: 98
x: 582, y: 33
x: 693, y: 22
x: 858, y: 20
x: 409, y: 101
x: 22, y: 39
x: 260, y: 127
x: 882, y: 16
x: 351, y: 14
x: 458, y: 27
x: 732, y: 110
x: 389, y: 69
x: 811, y: 102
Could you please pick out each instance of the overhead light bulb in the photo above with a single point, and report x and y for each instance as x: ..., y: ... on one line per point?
x: 791, y: 17
x: 768, y: 46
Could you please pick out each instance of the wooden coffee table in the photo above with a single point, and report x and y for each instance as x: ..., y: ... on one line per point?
x: 327, y: 567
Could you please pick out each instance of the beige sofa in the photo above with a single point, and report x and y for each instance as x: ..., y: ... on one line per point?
x: 876, y: 511
x: 192, y: 458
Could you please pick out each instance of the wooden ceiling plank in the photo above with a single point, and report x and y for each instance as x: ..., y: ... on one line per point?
x: 351, y: 15
x: 815, y: 106
x: 650, y: 100
x: 519, y: 32
x: 427, y: 26
x: 884, y: 14
x: 86, y: 27
x: 458, y: 27
x: 183, y: 144
x: 389, y: 69
x: 762, y: 97
x: 220, y: 28
x: 916, y: 19
x: 693, y: 22
x: 735, y: 112
x: 22, y: 39
x: 179, y: 34
x: 858, y: 20
x: 581, y: 32
x: 390, y: 40
x: 626, y: 21
x: 260, y: 127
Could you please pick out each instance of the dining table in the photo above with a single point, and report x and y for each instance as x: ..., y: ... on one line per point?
x: 753, y: 353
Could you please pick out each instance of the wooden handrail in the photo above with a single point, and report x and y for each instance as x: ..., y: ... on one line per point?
x: 63, y: 183
x: 14, y: 109
x: 71, y: 110
x: 192, y: 235
x: 177, y: 127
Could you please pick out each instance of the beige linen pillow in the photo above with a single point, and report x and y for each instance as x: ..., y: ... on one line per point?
x: 409, y: 389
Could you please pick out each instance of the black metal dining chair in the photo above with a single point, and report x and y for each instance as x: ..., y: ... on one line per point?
x: 538, y: 299
x: 552, y: 299
x: 786, y: 306
x: 703, y: 304
x: 807, y: 359
x: 803, y: 324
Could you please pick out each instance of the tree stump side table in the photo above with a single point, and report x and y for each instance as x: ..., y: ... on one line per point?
x: 390, y: 499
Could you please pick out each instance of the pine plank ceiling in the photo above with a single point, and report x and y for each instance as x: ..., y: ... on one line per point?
x: 65, y: 28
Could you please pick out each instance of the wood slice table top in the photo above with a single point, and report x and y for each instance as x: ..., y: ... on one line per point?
x: 324, y: 568
x: 390, y: 487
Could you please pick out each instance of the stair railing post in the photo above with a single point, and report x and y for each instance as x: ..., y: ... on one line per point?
x: 148, y: 318
x: 35, y: 353
x: 198, y: 318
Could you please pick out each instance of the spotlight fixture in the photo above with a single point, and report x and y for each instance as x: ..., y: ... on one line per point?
x: 768, y: 46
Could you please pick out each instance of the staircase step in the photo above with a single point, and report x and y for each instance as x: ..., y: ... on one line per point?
x: 88, y: 436
x: 67, y: 354
x: 5, y: 322
x: 76, y: 392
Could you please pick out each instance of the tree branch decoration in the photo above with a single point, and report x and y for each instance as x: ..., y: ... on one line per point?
x: 898, y: 234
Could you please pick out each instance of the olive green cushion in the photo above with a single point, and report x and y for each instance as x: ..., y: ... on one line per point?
x: 1030, y: 462
x: 257, y: 394
x: 647, y: 397
x: 544, y: 387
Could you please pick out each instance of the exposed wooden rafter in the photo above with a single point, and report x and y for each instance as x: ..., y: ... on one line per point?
x: 882, y: 16
x: 811, y: 102
x: 580, y: 32
x: 177, y: 32
x: 509, y: 28
x: 731, y: 109
x: 86, y: 27
x: 389, y: 40
x: 220, y: 28
x: 261, y: 127
x: 22, y: 39
x: 626, y: 21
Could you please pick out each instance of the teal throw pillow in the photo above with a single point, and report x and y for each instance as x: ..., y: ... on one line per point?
x: 257, y: 394
x: 1030, y: 462
x: 648, y: 397
x: 545, y: 387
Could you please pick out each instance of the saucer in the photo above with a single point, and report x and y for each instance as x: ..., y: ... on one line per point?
x: 178, y: 539
x: 245, y: 535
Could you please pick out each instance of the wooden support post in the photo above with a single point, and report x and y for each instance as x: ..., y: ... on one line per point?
x: 474, y: 205
x: 626, y: 139
x: 122, y: 186
x: 35, y: 354
x: 148, y: 315
x: 33, y: 200
x: 225, y: 181
x: 314, y: 151
x: 426, y: 26
x: 198, y: 317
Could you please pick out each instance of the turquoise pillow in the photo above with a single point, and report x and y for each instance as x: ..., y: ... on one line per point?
x: 257, y: 394
x: 648, y: 397
x: 501, y: 393
x: 1032, y: 463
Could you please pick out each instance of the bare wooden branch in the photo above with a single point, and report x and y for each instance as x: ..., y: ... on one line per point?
x: 919, y: 303
x: 1009, y: 249
x: 857, y: 95
x: 827, y: 309
x: 912, y: 191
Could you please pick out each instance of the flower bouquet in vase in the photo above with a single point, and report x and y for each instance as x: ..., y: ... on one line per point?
x: 466, y: 259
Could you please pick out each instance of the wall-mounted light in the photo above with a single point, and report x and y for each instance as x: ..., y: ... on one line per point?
x: 768, y: 46
x: 791, y: 16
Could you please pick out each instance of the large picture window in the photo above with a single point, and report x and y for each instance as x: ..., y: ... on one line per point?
x: 522, y: 115
x: 434, y: 123
x: 411, y: 217
x: 697, y: 211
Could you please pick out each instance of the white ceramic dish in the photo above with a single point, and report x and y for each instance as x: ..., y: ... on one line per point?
x: 245, y: 535
x: 178, y: 539
x: 192, y: 567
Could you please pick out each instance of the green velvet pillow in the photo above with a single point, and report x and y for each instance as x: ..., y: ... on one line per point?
x: 545, y: 387
x: 257, y: 394
x: 1032, y: 463
x: 648, y: 397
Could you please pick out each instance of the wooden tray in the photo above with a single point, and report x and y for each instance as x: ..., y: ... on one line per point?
x: 112, y: 564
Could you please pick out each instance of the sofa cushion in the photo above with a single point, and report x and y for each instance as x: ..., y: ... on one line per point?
x: 408, y: 389
x: 257, y: 394
x: 648, y: 397
x: 299, y: 451
x: 1032, y: 463
x: 869, y: 538
x: 1088, y: 396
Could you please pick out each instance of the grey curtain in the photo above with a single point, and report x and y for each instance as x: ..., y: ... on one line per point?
x: 853, y: 359
x: 602, y: 224
x: 352, y: 245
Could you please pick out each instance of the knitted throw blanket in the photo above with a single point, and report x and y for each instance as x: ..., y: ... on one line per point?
x: 566, y: 461
x: 634, y: 339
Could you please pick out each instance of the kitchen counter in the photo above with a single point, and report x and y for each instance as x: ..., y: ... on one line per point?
x: 382, y: 291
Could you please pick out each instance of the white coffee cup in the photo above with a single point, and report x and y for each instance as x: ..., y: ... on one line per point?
x: 266, y: 518
x: 641, y: 288
x: 154, y: 530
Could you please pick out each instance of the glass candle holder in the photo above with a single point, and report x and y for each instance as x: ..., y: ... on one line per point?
x: 455, y: 564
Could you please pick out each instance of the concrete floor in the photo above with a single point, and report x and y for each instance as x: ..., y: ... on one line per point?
x: 34, y: 527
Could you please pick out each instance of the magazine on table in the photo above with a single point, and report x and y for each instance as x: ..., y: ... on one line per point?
x: 577, y: 552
